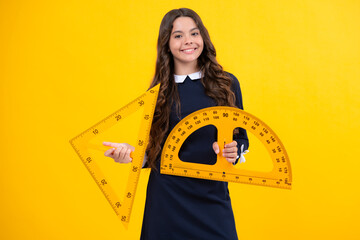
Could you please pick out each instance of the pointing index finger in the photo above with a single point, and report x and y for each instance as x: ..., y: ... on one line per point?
x: 111, y: 144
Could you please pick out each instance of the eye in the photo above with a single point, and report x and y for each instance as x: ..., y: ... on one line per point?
x: 195, y: 33
x: 177, y: 36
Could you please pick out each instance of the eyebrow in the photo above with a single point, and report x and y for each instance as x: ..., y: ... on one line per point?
x: 178, y: 31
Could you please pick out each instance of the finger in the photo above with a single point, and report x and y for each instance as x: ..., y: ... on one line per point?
x: 216, y: 147
x: 117, y: 151
x: 232, y: 144
x: 230, y: 150
x: 128, y: 157
x: 122, y: 154
x: 111, y: 144
x: 230, y: 155
x: 109, y: 152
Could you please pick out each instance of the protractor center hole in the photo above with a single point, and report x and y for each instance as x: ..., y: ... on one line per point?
x: 198, y: 146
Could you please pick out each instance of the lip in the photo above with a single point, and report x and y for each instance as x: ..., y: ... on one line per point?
x: 188, y: 50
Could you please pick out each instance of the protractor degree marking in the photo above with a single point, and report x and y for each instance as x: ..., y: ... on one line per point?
x: 226, y: 119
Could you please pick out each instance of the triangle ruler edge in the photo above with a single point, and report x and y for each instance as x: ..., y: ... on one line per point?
x: 81, y: 145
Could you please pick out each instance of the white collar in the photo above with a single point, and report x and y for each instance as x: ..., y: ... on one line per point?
x: 192, y: 76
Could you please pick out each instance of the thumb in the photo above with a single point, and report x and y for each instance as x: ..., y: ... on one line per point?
x: 216, y: 147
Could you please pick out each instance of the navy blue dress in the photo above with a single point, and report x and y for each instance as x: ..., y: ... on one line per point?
x: 180, y: 208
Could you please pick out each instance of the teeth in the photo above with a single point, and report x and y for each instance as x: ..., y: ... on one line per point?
x: 189, y: 50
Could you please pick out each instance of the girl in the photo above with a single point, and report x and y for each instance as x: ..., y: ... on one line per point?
x: 179, y: 208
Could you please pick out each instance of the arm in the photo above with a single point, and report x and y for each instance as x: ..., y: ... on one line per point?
x: 240, y: 135
x: 236, y: 149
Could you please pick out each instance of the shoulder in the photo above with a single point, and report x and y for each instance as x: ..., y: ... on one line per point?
x: 235, y: 87
x: 230, y: 75
x: 234, y: 81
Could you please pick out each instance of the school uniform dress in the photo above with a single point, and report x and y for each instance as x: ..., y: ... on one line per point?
x: 181, y: 208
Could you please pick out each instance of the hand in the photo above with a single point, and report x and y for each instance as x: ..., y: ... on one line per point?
x: 229, y: 152
x: 120, y: 152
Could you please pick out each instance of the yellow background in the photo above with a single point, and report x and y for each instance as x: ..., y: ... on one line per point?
x: 65, y: 65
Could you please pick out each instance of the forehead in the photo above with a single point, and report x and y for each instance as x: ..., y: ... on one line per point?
x: 184, y: 24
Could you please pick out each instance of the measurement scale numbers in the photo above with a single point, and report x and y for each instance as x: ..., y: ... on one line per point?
x: 226, y: 119
x: 88, y: 146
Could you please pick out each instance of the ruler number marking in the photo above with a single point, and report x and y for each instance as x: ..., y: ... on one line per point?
x: 149, y: 102
x: 215, y: 116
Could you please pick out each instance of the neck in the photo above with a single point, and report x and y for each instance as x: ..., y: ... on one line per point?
x: 185, y: 69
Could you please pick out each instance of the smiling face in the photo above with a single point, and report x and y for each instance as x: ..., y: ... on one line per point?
x: 186, y: 45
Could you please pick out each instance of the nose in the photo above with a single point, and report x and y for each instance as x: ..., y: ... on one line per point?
x: 188, y: 40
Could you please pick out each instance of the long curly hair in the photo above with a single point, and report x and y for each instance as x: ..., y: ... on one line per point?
x: 217, y: 83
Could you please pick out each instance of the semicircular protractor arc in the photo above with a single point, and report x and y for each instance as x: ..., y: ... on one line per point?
x: 226, y: 119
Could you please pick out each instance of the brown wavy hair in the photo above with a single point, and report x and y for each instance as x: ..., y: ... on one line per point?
x: 217, y: 83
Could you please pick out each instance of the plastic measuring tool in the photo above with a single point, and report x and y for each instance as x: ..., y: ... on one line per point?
x: 225, y: 119
x: 82, y: 145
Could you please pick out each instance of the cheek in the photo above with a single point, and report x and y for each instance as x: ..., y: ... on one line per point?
x: 173, y: 45
x: 201, y: 44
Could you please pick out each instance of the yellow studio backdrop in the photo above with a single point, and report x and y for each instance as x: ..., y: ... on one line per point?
x: 65, y: 65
